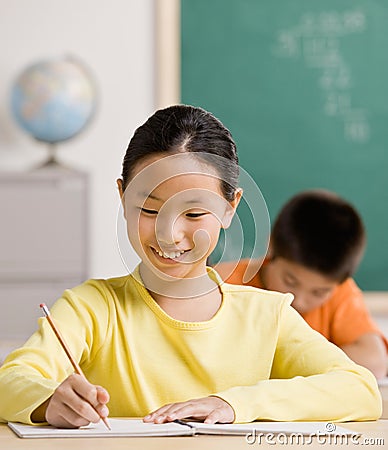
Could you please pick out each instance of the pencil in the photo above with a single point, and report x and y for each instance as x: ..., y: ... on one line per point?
x: 74, y: 363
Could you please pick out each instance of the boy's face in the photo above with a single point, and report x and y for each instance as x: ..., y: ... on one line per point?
x: 310, y: 288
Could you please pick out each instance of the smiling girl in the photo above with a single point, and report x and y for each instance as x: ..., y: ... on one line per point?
x: 170, y: 341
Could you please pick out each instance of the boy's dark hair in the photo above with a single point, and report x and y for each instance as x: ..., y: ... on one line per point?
x: 320, y: 231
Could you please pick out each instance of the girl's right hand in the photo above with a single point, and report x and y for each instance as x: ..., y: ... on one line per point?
x: 76, y: 403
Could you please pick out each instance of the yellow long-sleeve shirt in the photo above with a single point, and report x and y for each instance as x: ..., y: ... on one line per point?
x: 256, y: 353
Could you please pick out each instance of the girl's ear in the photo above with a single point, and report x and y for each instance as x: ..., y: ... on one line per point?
x: 229, y: 213
x: 119, y: 182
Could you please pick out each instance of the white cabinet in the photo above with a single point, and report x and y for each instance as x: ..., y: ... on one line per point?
x: 43, y: 243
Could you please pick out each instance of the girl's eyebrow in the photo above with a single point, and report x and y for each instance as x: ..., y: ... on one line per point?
x: 147, y: 195
x: 154, y: 197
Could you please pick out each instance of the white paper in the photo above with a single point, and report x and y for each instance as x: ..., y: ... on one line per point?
x: 382, y: 381
x: 305, y: 428
x: 137, y: 428
x: 120, y: 428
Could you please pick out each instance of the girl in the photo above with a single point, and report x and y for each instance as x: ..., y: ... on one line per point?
x: 169, y: 341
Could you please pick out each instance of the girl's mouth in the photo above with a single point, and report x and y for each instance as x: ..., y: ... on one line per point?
x: 172, y: 255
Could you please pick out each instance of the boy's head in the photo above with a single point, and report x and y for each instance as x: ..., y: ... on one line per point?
x: 317, y: 242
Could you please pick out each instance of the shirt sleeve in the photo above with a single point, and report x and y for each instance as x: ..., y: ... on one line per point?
x: 30, y: 374
x: 311, y: 380
x: 350, y: 318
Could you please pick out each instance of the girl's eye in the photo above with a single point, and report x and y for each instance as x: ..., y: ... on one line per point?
x: 149, y: 211
x: 195, y: 215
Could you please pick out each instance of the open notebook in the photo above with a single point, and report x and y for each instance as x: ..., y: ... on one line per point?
x: 137, y: 428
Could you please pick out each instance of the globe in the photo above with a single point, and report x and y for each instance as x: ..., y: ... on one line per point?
x: 53, y: 100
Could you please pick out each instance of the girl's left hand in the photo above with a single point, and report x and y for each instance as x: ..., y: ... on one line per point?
x: 209, y: 409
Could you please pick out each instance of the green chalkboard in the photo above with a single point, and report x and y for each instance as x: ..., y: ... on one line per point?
x: 303, y: 86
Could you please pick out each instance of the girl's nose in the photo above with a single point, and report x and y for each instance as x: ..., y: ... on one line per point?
x: 170, y: 232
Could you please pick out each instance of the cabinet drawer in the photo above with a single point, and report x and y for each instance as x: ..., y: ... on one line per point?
x: 43, y: 226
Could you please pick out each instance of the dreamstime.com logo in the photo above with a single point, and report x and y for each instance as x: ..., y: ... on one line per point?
x: 328, y: 436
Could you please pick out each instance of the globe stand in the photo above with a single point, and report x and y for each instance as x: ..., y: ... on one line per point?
x: 51, y: 160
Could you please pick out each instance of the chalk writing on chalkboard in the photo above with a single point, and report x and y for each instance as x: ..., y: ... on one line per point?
x: 316, y: 39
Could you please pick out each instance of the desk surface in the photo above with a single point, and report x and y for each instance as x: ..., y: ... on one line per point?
x: 373, y: 435
x: 384, y: 395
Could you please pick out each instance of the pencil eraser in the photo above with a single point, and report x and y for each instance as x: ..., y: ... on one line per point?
x: 41, y: 305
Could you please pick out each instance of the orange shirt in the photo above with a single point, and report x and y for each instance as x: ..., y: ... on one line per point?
x: 342, y: 319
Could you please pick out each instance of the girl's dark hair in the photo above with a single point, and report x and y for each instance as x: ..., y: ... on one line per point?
x: 320, y: 231
x: 186, y: 129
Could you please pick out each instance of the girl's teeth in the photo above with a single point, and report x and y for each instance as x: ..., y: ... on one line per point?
x: 171, y: 255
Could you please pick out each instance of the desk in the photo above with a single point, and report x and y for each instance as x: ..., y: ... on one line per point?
x: 377, y: 304
x: 370, y: 431
x: 384, y: 395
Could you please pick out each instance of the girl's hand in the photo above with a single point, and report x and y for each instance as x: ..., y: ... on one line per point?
x: 76, y: 403
x: 209, y: 409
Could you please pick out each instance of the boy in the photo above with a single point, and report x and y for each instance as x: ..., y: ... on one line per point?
x: 317, y: 242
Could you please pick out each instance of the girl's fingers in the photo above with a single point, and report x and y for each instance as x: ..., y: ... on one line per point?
x: 76, y: 402
x: 70, y: 419
x: 96, y: 396
x: 84, y: 389
x: 80, y: 396
x: 210, y: 409
x: 158, y: 412
x: 60, y: 413
x: 197, y: 410
x: 217, y: 415
x: 80, y: 407
x: 102, y: 395
x: 175, y: 407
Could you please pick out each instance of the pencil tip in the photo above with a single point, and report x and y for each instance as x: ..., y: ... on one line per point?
x: 105, y: 420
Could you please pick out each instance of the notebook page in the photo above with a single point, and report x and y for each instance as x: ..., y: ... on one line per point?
x: 305, y: 428
x: 120, y: 428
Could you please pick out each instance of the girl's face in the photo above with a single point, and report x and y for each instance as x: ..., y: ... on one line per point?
x: 175, y: 209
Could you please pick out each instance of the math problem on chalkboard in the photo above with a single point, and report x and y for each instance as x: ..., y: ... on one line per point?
x: 315, y: 40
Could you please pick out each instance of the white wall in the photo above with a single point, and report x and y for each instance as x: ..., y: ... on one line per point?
x: 115, y: 39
